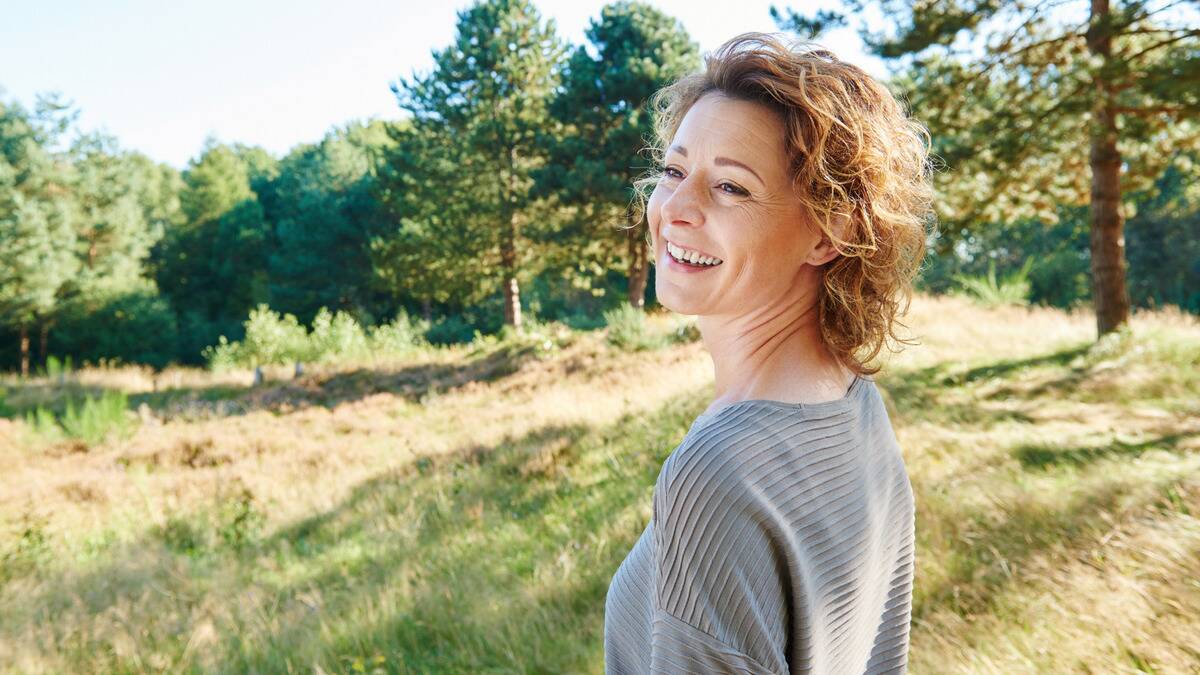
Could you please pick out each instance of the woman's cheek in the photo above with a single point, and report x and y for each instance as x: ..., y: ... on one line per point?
x: 652, y: 206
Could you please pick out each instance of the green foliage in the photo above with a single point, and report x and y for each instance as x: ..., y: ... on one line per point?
x: 41, y: 424
x: 400, y: 335
x: 234, y: 521
x: 336, y: 336
x: 133, y: 324
x: 627, y: 329
x: 36, y: 225
x: 120, y: 213
x: 213, y: 267
x: 272, y: 338
x: 603, y: 125
x: 474, y: 134
x: 686, y: 332
x: 1012, y: 290
x: 240, y: 519
x: 269, y: 338
x: 56, y: 368
x: 451, y: 329
x: 91, y: 420
x: 323, y: 208
x: 98, y: 417
x: 28, y: 550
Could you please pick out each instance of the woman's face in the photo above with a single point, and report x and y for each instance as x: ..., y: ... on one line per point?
x: 726, y: 193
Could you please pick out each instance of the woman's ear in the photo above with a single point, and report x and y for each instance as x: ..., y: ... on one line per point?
x: 825, y: 251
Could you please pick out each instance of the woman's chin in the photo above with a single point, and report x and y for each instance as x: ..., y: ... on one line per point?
x: 679, y: 305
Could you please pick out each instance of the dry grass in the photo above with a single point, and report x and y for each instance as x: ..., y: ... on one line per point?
x: 465, y: 512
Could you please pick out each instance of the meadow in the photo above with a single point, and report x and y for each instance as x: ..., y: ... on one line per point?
x: 463, y: 509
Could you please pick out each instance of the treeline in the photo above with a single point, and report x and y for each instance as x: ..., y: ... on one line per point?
x: 503, y: 191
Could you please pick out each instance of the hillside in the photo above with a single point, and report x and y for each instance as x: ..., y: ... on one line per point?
x: 464, y: 512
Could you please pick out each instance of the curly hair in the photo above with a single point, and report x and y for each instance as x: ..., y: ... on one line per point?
x: 855, y: 158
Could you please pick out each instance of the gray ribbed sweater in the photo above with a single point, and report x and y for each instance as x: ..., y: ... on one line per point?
x: 780, y: 541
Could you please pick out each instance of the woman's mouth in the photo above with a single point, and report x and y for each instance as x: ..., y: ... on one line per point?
x: 690, y: 259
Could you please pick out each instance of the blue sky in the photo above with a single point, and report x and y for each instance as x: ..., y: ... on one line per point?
x: 162, y: 76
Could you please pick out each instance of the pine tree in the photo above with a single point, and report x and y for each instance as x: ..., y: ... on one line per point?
x: 1035, y: 104
x: 487, y: 97
x: 605, y: 124
x: 36, y: 230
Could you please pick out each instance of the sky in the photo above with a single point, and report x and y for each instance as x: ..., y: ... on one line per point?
x: 163, y: 76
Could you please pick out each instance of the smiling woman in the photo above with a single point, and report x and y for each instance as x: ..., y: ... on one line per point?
x: 788, y: 215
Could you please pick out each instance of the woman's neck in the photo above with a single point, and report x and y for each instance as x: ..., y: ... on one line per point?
x: 774, y: 353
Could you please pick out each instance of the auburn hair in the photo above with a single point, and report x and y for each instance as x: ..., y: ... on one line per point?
x: 859, y: 165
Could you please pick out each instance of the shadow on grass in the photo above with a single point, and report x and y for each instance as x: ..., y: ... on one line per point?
x: 983, y: 552
x: 1040, y: 456
x: 1007, y: 367
x: 478, y: 536
x: 412, y: 383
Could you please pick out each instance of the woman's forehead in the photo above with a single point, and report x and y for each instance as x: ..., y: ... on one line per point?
x: 717, y: 124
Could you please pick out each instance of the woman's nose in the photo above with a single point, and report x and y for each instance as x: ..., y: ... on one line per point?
x: 684, y: 203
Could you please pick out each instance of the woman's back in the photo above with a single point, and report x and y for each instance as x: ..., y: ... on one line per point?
x: 781, y: 541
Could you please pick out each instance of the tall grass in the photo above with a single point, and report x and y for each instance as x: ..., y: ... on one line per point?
x: 91, y: 420
x: 357, y: 523
x: 988, y: 292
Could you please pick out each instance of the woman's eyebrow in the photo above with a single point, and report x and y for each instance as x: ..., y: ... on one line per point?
x: 720, y: 161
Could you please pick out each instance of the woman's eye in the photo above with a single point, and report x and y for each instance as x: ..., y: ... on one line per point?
x: 732, y: 189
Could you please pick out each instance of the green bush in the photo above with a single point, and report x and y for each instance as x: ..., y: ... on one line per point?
x: 129, y: 324
x: 399, y: 336
x: 41, y: 423
x: 56, y: 368
x: 240, y: 520
x: 452, y: 329
x: 1012, y: 290
x: 270, y: 338
x: 685, y: 332
x: 336, y: 337
x: 91, y: 421
x: 627, y: 329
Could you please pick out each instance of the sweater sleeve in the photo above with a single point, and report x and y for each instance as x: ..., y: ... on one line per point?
x: 720, y: 581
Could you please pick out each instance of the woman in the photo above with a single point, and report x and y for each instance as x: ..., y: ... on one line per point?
x: 789, y: 216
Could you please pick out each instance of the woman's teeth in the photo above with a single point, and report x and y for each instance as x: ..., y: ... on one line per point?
x: 687, y: 257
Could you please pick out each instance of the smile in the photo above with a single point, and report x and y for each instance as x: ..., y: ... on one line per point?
x: 690, y: 257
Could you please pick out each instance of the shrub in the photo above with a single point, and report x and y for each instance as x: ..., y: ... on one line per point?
x: 452, y: 329
x: 1014, y: 289
x: 132, y: 324
x: 627, y: 329
x: 97, y: 417
x: 335, y: 337
x: 90, y: 421
x: 399, y: 336
x: 270, y: 338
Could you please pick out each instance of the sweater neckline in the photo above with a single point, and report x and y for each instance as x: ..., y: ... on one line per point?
x: 852, y: 392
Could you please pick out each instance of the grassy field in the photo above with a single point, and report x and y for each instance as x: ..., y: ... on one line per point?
x: 464, y: 511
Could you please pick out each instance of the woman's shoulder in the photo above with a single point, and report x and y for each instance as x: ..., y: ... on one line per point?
x: 747, y: 446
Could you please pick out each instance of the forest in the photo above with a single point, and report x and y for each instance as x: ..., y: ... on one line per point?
x: 501, y: 190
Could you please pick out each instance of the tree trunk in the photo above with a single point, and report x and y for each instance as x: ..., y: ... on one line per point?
x: 512, y: 293
x: 639, y: 268
x: 44, y: 342
x: 1109, y: 292
x: 427, y: 309
x: 508, y: 263
x: 508, y: 248
x: 24, y: 350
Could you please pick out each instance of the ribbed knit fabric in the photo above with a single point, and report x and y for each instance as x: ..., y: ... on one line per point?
x: 780, y: 541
